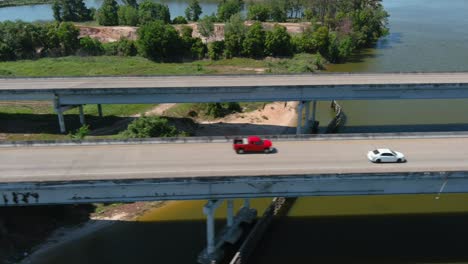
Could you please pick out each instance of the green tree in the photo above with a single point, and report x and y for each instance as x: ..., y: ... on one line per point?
x: 126, y: 47
x: 254, y: 42
x: 259, y: 12
x: 150, y: 126
x: 128, y: 15
x: 193, y: 11
x: 306, y: 42
x: 90, y: 47
x: 71, y: 10
x: 159, y: 42
x: 68, y: 35
x: 132, y: 3
x: 108, y: 13
x: 194, y: 48
x: 321, y: 39
x: 228, y: 8
x: 278, y: 11
x: 221, y: 109
x: 150, y: 11
x: 278, y: 42
x: 234, y: 34
x: 179, y: 20
x: 215, y: 50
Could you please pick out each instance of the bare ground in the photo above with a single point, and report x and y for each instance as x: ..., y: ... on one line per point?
x: 112, y: 34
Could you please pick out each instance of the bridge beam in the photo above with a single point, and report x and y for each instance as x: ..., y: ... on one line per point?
x: 197, y: 188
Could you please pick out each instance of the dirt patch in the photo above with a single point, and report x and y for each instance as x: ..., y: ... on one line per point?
x: 273, y: 118
x: 112, y: 34
x: 108, y: 34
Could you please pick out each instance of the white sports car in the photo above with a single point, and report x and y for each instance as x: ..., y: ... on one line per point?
x: 385, y: 155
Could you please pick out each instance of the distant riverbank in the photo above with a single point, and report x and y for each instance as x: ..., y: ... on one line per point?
x: 6, y: 3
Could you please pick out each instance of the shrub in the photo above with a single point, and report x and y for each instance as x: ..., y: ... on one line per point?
x: 90, y: 47
x: 278, y: 42
x: 108, y: 13
x: 128, y: 15
x: 150, y: 126
x: 259, y: 12
x: 80, y: 133
x: 179, y: 20
x: 221, y: 109
x: 215, y: 50
x: 126, y: 47
x: 68, y: 34
x: 159, y: 42
x: 193, y: 11
x: 150, y: 11
x: 254, y: 42
x: 228, y: 8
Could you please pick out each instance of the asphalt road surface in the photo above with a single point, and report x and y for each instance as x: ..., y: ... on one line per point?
x: 19, y: 164
x: 222, y: 81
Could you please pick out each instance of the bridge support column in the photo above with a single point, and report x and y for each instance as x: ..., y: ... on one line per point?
x: 230, y: 213
x: 314, y: 109
x: 59, y: 111
x: 230, y: 233
x: 299, y: 117
x: 209, y: 210
x: 306, y: 117
x: 82, y: 117
x: 99, y: 108
x: 246, y: 203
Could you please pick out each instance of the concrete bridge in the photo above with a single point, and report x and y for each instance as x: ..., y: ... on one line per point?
x: 72, y: 92
x: 208, y: 168
x: 39, y: 173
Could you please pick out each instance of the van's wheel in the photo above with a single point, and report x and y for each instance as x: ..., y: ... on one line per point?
x: 240, y: 151
x: 398, y: 160
x: 267, y: 150
x: 378, y: 160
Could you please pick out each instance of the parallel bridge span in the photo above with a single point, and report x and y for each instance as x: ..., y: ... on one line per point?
x: 184, y: 89
x: 64, y: 174
x: 67, y: 93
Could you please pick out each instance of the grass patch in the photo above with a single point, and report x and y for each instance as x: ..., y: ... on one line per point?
x: 138, y: 66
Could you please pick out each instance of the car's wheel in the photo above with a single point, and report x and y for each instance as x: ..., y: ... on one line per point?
x: 267, y: 150
x: 398, y: 160
x: 378, y: 160
x: 240, y: 151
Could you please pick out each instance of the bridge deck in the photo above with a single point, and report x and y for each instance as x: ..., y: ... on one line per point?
x: 230, y: 81
x: 166, y: 161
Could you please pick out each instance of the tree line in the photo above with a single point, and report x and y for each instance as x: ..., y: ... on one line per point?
x: 337, y: 29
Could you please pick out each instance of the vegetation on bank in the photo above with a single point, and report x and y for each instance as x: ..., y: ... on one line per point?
x: 138, y: 66
x: 338, y: 28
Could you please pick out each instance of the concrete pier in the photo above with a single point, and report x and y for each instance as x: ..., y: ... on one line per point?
x: 229, y: 234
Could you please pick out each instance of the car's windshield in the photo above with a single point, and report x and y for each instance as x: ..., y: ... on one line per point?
x: 393, y: 152
x: 376, y: 152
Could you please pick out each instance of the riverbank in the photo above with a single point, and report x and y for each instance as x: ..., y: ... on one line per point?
x: 105, y: 218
